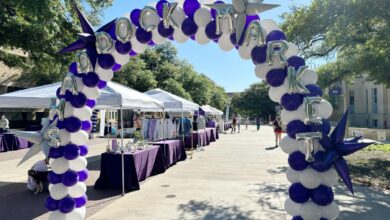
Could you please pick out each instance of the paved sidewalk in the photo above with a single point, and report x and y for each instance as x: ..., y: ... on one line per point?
x: 234, y: 178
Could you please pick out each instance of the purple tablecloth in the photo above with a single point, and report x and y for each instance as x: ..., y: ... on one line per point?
x: 172, y: 150
x: 228, y: 125
x: 138, y: 166
x: 211, y: 124
x: 199, y: 138
x: 211, y: 134
x: 10, y: 142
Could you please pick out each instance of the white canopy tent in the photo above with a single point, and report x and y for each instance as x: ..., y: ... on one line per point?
x: 173, y: 103
x: 113, y: 96
x: 211, y: 110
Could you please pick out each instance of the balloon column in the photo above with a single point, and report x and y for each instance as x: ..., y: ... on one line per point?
x: 231, y: 26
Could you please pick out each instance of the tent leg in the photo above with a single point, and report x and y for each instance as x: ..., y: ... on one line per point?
x: 122, y: 156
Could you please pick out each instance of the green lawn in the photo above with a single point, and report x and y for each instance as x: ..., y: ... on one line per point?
x: 371, y: 166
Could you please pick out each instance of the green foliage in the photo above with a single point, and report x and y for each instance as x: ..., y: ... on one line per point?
x: 42, y: 28
x: 254, y: 101
x: 357, y: 31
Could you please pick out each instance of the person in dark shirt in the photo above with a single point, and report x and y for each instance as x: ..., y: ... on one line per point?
x: 234, y: 124
x: 278, y: 131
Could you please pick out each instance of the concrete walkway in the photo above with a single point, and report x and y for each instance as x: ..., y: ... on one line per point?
x: 234, y: 178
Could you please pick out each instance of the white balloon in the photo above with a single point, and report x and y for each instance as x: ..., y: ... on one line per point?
x: 261, y: 70
x: 289, y: 145
x: 292, y: 175
x: 179, y: 36
x: 77, y: 190
x: 309, y: 77
x: 330, y: 177
x: 291, y: 207
x: 310, y: 211
x: 59, y: 165
x: 225, y: 43
x: 331, y: 211
x: 121, y: 59
x: 178, y: 15
x: 77, y: 213
x: 288, y: 116
x: 276, y: 93
x: 58, y: 191
x: 324, y: 109
x: 245, y: 51
x: 104, y: 74
x: 78, y: 164
x: 201, y: 36
x: 57, y: 215
x: 225, y: 26
x: 269, y: 25
x: 157, y: 38
x: 91, y: 92
x: 64, y: 137
x: 84, y: 113
x: 202, y: 17
x: 79, y: 138
x: 310, y: 178
x: 292, y: 50
x: 137, y: 46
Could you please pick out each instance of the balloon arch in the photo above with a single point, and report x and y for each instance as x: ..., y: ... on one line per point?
x: 315, y: 158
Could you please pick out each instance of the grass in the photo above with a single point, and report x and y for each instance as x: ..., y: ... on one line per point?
x: 371, y: 166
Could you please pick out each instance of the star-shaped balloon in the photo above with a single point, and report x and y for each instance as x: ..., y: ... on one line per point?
x: 241, y: 9
x: 336, y: 148
x: 87, y: 39
x: 42, y: 141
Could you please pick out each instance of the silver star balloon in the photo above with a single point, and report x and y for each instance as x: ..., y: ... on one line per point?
x: 240, y: 9
x: 42, y: 141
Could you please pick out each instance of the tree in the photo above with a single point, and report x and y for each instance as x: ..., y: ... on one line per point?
x: 254, y: 101
x: 357, y: 31
x: 176, y: 88
x: 41, y: 29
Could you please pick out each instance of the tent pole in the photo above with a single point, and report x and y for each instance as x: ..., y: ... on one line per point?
x: 192, y: 138
x: 122, y: 156
x: 182, y: 125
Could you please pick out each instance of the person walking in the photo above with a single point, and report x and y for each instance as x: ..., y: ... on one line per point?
x: 278, y: 131
x: 238, y: 123
x: 258, y: 123
x: 234, y: 124
x: 246, y: 123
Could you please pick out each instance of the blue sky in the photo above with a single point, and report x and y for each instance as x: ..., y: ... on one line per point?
x: 227, y: 69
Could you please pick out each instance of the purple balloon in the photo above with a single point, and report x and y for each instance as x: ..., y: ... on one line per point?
x: 143, y: 36
x: 116, y: 67
x: 233, y: 39
x: 68, y: 95
x: 259, y: 54
x: 165, y: 32
x: 294, y: 127
x: 70, y: 178
x: 78, y: 100
x: 296, y: 62
x: 190, y: 7
x: 54, y: 178
x: 275, y: 77
x: 86, y: 125
x: 83, y: 150
x: 73, y: 68
x: 91, y: 103
x: 324, y: 128
x: 276, y: 35
x: 213, y: 11
x: 81, y: 201
x: 66, y: 204
x: 123, y: 48
x: 58, y: 94
x: 318, y: 163
x: 298, y: 193
x: 72, y: 124
x: 91, y: 79
x: 56, y: 152
x: 189, y: 27
x: 102, y: 84
x: 250, y: 18
x: 134, y: 16
x: 322, y: 195
x: 51, y: 204
x: 83, y: 175
x: 298, y: 217
x: 291, y: 102
x: 151, y: 43
x: 315, y: 90
x: 71, y: 151
x: 211, y: 29
x: 160, y: 7
x: 106, y: 61
x: 60, y: 124
x: 297, y: 161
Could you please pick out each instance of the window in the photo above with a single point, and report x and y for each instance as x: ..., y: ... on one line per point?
x: 374, y: 123
x: 352, y: 104
x: 374, y: 100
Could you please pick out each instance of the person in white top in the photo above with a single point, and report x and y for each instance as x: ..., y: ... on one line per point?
x: 238, y: 122
x: 4, y: 123
x: 37, y: 176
